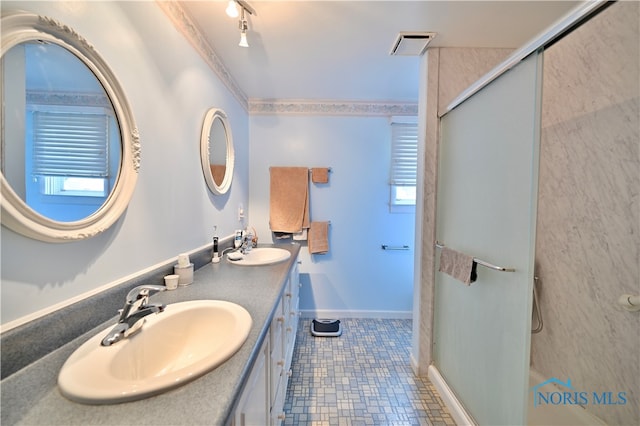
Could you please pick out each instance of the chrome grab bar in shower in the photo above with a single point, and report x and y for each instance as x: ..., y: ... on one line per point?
x: 482, y: 262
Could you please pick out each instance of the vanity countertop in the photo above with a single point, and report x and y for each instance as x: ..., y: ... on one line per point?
x: 31, y: 395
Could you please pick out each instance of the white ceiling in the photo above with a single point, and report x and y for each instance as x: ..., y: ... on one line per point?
x: 339, y: 50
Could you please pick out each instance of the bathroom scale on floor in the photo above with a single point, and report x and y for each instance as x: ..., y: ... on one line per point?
x: 326, y: 327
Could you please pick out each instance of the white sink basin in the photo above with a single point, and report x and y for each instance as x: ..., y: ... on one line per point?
x: 173, y: 347
x: 262, y: 256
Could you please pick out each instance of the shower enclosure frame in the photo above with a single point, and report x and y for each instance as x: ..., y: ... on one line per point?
x: 557, y: 31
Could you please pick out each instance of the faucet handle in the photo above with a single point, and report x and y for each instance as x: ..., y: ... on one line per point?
x: 143, y: 292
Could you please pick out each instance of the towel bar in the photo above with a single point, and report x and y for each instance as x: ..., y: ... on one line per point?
x: 482, y: 262
x: 388, y: 247
x: 328, y: 169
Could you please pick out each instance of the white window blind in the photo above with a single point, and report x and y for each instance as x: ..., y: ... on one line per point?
x: 404, y: 154
x: 71, y: 144
x: 404, y: 165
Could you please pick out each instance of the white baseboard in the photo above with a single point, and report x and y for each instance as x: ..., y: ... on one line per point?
x: 414, y: 365
x: 459, y: 414
x: 338, y: 314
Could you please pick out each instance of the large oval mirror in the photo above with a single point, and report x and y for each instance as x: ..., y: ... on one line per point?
x: 216, y: 151
x: 70, y: 150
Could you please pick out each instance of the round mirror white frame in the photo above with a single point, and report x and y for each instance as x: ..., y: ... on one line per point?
x: 211, y: 118
x: 19, y: 27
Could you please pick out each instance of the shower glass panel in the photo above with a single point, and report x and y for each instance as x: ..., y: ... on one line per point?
x: 487, y: 191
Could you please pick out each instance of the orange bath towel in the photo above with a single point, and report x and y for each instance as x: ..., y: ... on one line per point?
x: 218, y: 171
x: 289, y: 199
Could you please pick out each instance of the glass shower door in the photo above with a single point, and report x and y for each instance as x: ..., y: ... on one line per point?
x: 487, y: 191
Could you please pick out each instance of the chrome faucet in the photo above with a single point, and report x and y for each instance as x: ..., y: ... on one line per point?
x: 247, y: 242
x: 132, y: 315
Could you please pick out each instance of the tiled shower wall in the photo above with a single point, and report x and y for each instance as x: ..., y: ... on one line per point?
x: 588, y: 236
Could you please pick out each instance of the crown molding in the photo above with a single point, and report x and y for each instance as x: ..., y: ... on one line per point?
x: 183, y: 23
x: 330, y: 107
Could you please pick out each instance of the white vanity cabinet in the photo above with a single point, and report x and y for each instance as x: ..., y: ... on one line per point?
x: 292, y: 314
x: 286, y: 327
x: 253, y: 407
x: 277, y: 362
x: 262, y: 401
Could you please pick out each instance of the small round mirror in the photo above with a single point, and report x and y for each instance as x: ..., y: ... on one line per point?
x: 216, y: 151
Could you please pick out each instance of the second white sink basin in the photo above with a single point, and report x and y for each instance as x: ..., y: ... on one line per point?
x: 262, y: 256
x: 173, y: 347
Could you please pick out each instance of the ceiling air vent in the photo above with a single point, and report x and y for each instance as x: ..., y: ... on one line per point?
x: 411, y: 43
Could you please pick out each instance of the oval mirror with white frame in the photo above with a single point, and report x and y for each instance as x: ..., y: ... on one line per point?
x: 216, y: 151
x: 70, y: 148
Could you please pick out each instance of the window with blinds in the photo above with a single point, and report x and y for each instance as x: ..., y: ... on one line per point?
x: 70, y: 153
x: 404, y: 164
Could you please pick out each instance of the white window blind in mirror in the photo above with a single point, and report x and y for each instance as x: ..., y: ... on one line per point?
x: 70, y: 154
x: 70, y: 144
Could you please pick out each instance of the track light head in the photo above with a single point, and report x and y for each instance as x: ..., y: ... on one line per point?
x: 243, y: 24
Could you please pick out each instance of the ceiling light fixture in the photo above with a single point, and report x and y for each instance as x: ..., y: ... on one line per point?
x: 243, y: 24
x: 232, y: 9
x: 243, y: 40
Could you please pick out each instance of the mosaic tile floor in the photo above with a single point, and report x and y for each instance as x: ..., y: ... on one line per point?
x: 363, y: 377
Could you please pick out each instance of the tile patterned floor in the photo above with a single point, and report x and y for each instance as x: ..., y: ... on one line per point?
x: 363, y: 377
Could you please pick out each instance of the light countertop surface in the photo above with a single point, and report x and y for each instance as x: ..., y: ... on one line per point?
x: 31, y: 396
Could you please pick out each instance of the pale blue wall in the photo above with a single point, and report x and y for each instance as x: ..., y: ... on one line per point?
x: 357, y: 277
x: 169, y: 88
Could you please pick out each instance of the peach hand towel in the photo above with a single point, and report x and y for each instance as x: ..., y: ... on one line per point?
x: 289, y: 199
x: 319, y: 238
x: 320, y: 175
x: 458, y: 265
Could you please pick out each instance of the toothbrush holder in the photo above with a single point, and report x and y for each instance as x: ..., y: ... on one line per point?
x: 185, y: 273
